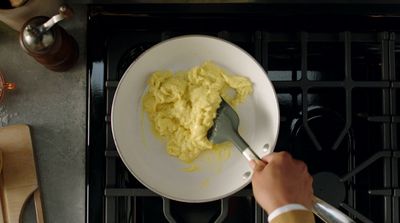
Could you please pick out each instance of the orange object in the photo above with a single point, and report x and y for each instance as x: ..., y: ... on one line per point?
x: 5, y: 86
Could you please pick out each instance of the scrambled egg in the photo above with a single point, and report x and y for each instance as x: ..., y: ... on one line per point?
x: 182, y: 106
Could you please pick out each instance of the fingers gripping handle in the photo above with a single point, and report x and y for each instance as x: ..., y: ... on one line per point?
x: 323, y: 210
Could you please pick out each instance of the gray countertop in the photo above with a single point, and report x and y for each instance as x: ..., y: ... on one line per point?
x: 54, y: 106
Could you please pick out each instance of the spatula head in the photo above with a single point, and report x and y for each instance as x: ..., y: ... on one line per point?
x: 225, y: 123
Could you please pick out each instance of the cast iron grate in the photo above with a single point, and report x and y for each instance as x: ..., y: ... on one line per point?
x: 338, y: 97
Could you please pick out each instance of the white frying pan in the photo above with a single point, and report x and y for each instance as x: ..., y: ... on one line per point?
x: 212, y: 176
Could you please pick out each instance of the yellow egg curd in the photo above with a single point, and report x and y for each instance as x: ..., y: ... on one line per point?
x: 182, y: 106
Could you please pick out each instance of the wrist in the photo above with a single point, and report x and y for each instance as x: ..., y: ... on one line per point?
x: 286, y: 208
x: 272, y: 206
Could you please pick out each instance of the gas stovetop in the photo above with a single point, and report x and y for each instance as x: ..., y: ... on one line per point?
x: 337, y: 78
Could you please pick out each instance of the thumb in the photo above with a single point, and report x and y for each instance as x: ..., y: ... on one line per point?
x: 257, y: 165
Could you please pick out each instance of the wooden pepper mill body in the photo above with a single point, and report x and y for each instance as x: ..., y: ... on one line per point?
x: 60, y: 55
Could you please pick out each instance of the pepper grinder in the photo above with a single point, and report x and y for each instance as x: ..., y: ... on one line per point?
x: 48, y: 43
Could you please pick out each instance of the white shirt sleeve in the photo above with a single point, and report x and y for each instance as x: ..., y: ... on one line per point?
x: 285, y: 208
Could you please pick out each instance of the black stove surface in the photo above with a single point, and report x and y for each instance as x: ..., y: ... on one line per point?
x: 337, y: 81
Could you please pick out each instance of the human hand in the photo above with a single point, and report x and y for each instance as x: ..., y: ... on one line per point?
x: 281, y: 180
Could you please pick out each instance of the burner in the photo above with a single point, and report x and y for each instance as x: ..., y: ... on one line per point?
x: 326, y: 125
x: 329, y: 188
x: 203, y: 212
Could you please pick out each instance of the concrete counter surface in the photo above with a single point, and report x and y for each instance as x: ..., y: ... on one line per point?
x: 54, y: 106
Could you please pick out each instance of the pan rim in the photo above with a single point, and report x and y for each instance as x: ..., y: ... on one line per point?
x: 272, y: 144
